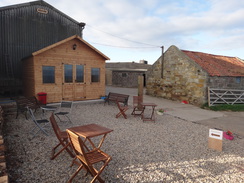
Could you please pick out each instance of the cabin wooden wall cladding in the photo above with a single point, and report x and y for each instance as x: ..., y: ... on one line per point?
x: 57, y: 56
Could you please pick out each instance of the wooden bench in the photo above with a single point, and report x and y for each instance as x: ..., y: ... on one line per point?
x: 23, y: 102
x: 113, y: 97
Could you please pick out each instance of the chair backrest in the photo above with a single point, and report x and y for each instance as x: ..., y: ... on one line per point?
x: 55, y: 126
x: 66, y: 105
x: 77, y: 144
x: 137, y: 100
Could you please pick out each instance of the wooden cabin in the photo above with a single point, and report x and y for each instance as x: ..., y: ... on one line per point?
x: 71, y: 69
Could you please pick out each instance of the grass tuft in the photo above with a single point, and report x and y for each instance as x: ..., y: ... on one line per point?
x: 225, y: 107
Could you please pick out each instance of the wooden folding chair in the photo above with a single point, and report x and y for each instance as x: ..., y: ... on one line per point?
x: 137, y: 107
x: 122, y: 110
x: 88, y: 158
x: 62, y: 137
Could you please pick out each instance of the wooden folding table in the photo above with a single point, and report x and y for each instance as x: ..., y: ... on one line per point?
x: 90, y: 131
x: 151, y: 117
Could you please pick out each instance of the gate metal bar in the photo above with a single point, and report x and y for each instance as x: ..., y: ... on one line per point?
x: 225, y: 96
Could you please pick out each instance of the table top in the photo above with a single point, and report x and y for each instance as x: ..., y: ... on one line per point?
x: 91, y: 130
x: 148, y: 104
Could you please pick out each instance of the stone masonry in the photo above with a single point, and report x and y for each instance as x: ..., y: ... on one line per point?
x: 175, y: 76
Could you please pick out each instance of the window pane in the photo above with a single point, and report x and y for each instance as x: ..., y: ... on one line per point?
x: 68, y: 73
x: 48, y: 74
x: 238, y: 79
x: 80, y: 73
x: 95, y: 75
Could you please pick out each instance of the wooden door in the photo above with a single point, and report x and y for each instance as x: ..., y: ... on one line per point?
x: 80, y: 84
x: 68, y: 82
x: 73, y: 82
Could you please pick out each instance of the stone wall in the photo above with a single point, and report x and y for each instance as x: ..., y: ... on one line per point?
x: 177, y: 77
x: 226, y: 82
x: 126, y: 78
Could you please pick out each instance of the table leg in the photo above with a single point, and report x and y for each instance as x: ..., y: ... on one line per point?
x: 151, y: 118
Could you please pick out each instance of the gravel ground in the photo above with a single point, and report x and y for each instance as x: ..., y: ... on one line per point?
x: 169, y: 150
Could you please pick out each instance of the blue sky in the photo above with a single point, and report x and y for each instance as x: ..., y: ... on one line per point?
x: 127, y: 30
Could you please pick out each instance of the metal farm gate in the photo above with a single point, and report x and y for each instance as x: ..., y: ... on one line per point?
x: 225, y: 96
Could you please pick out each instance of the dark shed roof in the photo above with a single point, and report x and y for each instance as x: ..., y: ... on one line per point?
x: 26, y: 28
x: 41, y: 3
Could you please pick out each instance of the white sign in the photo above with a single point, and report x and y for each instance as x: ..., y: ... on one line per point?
x: 216, y: 134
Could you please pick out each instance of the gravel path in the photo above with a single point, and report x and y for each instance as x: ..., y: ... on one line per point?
x: 169, y: 150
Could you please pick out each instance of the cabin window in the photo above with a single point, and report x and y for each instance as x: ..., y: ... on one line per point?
x: 238, y: 80
x: 95, y: 75
x: 68, y: 73
x: 79, y: 73
x: 48, y: 74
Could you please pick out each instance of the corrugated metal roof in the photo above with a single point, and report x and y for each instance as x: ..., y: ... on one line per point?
x: 217, y: 65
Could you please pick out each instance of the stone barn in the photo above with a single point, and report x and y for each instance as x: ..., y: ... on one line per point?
x: 186, y: 75
x: 125, y: 74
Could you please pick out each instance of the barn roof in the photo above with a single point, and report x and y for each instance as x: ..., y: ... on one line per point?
x: 217, y: 65
x: 66, y: 40
x: 41, y: 3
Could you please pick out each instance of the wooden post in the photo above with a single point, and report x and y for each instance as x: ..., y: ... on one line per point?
x: 140, y: 90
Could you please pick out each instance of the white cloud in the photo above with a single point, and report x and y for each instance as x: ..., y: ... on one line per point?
x: 208, y: 25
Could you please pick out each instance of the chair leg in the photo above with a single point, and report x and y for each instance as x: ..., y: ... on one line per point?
x: 118, y: 115
x: 40, y: 129
x: 124, y: 115
x: 58, y: 117
x: 53, y: 155
x: 97, y: 173
x: 121, y: 113
x: 77, y: 171
x: 68, y: 118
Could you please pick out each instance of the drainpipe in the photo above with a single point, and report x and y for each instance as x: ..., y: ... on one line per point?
x: 162, y: 62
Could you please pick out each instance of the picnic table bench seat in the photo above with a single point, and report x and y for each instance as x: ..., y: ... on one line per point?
x: 114, y: 97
